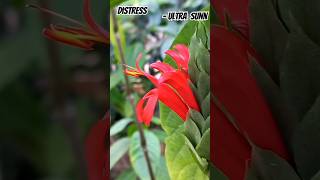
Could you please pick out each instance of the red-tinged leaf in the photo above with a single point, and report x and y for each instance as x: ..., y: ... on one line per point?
x: 237, y: 10
x: 97, y: 153
x: 236, y: 89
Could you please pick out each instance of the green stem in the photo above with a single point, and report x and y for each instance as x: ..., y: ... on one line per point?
x: 131, y: 98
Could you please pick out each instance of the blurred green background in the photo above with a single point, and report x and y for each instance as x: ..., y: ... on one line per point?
x: 50, y: 94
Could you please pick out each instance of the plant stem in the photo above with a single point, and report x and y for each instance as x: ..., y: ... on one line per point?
x: 131, y: 98
x: 62, y: 112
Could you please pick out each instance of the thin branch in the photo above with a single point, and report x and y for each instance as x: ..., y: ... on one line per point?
x: 47, y: 11
x: 131, y: 98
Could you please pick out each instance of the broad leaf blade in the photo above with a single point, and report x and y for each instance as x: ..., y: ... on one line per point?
x: 136, y: 154
x: 306, y: 144
x: 118, y: 149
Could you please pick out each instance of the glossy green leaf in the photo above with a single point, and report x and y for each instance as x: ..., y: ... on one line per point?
x: 160, y: 134
x: 119, y: 126
x: 203, y: 148
x: 203, y: 85
x: 192, y: 132
x: 286, y: 119
x: 306, y: 13
x: 268, y: 35
x: 162, y: 170
x: 206, y: 124
x: 306, y: 146
x: 300, y: 73
x: 205, y: 106
x: 170, y: 121
x: 266, y: 165
x: 137, y: 156
x: 216, y: 174
x: 181, y: 164
x: 118, y: 149
x: 128, y: 174
x: 197, y: 118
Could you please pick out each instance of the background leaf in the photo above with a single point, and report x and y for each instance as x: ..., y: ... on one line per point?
x: 136, y: 154
x: 118, y: 149
x: 119, y: 126
x: 306, y: 143
x: 265, y: 165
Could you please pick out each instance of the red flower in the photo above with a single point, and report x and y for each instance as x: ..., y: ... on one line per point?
x: 82, y: 36
x: 172, y: 88
x: 97, y: 153
x: 238, y: 12
x: 235, y: 88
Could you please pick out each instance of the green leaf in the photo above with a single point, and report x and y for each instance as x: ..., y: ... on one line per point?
x: 119, y: 126
x: 286, y: 119
x: 160, y: 134
x: 197, y: 118
x: 266, y: 165
x: 205, y: 106
x: 192, y: 132
x: 300, y: 73
x: 203, y: 85
x: 120, y: 104
x: 170, y: 121
x: 137, y: 156
x: 193, y: 71
x: 203, y: 148
x: 268, y: 35
x: 206, y: 124
x: 216, y: 174
x: 128, y: 174
x: 307, y: 14
x: 180, y: 161
x: 162, y: 170
x: 116, y: 77
x: 202, y: 162
x: 306, y: 144
x: 118, y: 149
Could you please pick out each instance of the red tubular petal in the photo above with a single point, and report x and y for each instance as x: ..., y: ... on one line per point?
x: 172, y: 100
x: 162, y: 67
x: 54, y: 35
x: 178, y: 58
x: 237, y: 90
x: 238, y: 12
x: 184, y: 51
x: 145, y: 112
x: 92, y: 24
x: 139, y: 110
x: 179, y: 82
x: 149, y: 108
x: 97, y: 153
